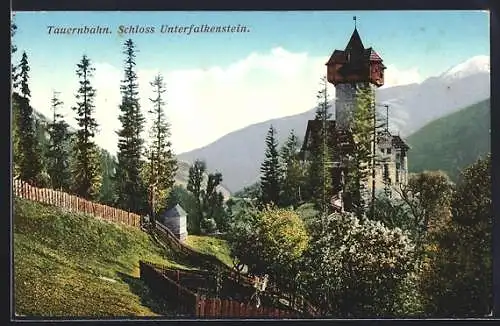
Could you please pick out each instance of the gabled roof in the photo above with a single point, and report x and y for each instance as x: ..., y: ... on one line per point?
x: 340, y: 137
x: 398, y: 142
x: 175, y: 211
x: 372, y: 55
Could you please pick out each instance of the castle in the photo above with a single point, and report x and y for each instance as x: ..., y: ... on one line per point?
x: 349, y: 70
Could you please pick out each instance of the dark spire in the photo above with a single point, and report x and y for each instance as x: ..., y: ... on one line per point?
x: 355, y: 44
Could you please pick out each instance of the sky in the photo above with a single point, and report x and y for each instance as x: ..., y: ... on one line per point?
x: 221, y: 82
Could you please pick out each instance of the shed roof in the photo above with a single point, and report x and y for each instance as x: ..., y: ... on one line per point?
x: 176, y: 211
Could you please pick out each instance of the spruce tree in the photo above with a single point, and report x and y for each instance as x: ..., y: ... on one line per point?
x: 29, y: 156
x: 320, y: 183
x: 86, y: 169
x: 130, y: 189
x: 270, y: 180
x: 13, y: 49
x: 58, y: 154
x: 162, y: 165
x: 292, y: 172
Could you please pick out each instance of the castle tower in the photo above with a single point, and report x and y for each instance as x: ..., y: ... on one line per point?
x: 350, y: 69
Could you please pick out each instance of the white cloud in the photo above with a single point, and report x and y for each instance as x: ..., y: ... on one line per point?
x: 396, y: 77
x: 205, y: 104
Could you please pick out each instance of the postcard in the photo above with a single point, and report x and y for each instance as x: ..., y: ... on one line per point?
x: 251, y: 165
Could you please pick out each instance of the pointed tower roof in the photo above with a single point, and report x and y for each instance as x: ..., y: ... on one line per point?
x: 355, y: 44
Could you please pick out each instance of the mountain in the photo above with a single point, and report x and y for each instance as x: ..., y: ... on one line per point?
x: 238, y: 155
x: 451, y: 142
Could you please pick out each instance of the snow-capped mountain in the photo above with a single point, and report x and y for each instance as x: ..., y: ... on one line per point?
x: 475, y: 65
x: 238, y: 155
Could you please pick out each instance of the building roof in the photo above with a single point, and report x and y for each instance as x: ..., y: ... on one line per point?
x: 175, y: 211
x: 340, y: 137
x: 354, y: 50
x: 355, y: 44
x: 398, y: 142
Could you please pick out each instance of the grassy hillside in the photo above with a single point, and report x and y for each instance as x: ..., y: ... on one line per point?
x: 212, y: 246
x: 451, y: 142
x: 75, y: 265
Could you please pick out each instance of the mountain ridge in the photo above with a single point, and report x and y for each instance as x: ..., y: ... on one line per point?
x: 238, y: 154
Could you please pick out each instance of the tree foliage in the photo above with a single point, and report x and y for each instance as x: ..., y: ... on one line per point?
x: 292, y: 174
x: 360, y: 162
x: 194, y: 185
x: 268, y: 241
x: 320, y: 182
x: 86, y: 169
x: 356, y: 268
x: 270, y: 179
x: 58, y: 151
x: 28, y: 157
x: 214, y: 215
x: 162, y: 164
x: 458, y: 273
x: 130, y: 189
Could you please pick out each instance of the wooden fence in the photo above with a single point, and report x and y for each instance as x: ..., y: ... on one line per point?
x: 201, y: 259
x: 197, y: 258
x: 73, y: 203
x: 187, y: 302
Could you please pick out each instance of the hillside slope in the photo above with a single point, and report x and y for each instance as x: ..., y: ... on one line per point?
x: 451, y: 142
x: 74, y: 265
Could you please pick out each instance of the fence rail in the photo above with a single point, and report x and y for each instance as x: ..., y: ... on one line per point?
x: 190, y: 303
x: 169, y: 239
x: 73, y: 203
x: 200, y: 259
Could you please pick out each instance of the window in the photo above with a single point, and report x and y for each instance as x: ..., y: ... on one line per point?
x: 388, y: 151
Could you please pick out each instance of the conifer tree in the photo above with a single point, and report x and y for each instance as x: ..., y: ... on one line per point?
x: 58, y: 153
x: 86, y: 169
x: 292, y: 172
x: 29, y: 158
x: 270, y: 180
x: 162, y: 165
x: 15, y: 106
x: 130, y: 188
x: 360, y: 162
x: 13, y: 49
x: 319, y: 174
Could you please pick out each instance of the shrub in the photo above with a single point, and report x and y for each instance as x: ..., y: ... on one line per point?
x: 357, y: 269
x: 268, y: 241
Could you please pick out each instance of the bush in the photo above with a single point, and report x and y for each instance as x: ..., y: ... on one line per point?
x: 268, y: 241
x: 208, y: 225
x: 355, y: 269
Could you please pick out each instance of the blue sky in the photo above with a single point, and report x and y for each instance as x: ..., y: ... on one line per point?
x: 283, y: 55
